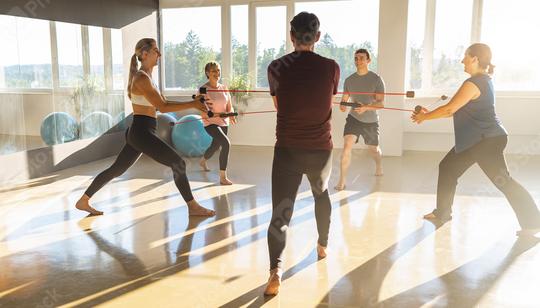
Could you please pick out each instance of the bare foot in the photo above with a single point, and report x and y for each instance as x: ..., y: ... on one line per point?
x: 84, y: 205
x: 195, y: 209
x: 529, y: 232
x: 274, y: 282
x: 339, y: 187
x: 225, y: 181
x: 430, y: 216
x: 203, y: 165
x: 321, y: 251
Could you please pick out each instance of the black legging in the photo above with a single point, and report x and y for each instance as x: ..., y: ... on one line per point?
x: 142, y: 138
x: 287, y: 170
x: 489, y: 156
x: 219, y: 139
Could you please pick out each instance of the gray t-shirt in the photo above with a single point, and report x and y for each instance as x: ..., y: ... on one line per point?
x: 369, y: 82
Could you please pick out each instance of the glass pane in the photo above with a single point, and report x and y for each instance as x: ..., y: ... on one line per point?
x: 95, y: 44
x: 117, y: 59
x: 340, y: 45
x: 70, y: 66
x: 239, y: 28
x: 191, y: 38
x: 271, y: 36
x: 14, y: 135
x: 20, y: 65
x: 514, y: 55
x: 453, y: 20
x: 415, y: 40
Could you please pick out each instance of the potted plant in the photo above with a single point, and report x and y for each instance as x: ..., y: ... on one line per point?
x: 240, y: 82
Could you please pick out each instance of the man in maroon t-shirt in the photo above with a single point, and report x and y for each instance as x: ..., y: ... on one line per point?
x: 302, y: 85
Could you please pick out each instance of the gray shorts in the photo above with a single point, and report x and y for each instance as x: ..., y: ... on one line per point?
x: 368, y: 131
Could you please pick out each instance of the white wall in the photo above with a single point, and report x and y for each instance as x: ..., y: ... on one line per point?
x: 518, y: 115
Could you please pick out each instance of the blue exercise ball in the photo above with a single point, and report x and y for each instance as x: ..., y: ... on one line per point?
x: 189, y: 136
x: 165, y: 123
x: 59, y: 127
x: 174, y: 115
x: 96, y: 124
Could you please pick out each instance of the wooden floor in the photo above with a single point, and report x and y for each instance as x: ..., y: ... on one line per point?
x: 145, y: 252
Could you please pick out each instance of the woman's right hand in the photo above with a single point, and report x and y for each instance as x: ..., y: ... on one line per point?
x: 420, y: 116
x: 199, y: 98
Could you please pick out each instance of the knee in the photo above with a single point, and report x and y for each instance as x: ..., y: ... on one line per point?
x: 179, y: 165
x: 115, y: 172
x: 225, y: 144
x: 503, y: 180
x: 319, y: 194
x: 347, y: 148
x: 444, y: 166
x: 374, y: 149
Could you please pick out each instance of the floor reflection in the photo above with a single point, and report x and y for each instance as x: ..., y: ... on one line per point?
x: 146, y: 251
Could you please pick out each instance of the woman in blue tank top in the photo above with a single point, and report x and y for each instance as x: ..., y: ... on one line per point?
x: 479, y: 138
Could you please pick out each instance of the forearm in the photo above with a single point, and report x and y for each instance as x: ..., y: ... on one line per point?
x: 377, y: 104
x: 172, y: 106
x: 441, y: 112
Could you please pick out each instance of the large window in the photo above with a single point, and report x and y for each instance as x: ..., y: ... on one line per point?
x: 343, y: 30
x: 436, y: 46
x: 73, y: 102
x: 510, y: 29
x: 187, y: 40
x: 191, y: 38
x: 70, y: 65
x: 271, y: 36
x: 24, y: 62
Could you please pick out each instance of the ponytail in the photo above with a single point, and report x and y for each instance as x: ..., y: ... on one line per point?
x: 133, y: 68
x: 491, y: 68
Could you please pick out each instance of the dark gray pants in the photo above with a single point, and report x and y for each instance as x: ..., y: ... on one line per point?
x: 287, y: 170
x: 219, y: 139
x: 488, y: 154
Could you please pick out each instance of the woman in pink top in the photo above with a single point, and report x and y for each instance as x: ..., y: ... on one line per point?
x: 219, y: 102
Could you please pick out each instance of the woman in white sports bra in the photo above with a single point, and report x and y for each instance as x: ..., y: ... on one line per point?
x: 141, y: 136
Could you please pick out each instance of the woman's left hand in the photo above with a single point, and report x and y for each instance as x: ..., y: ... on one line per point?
x: 233, y: 120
